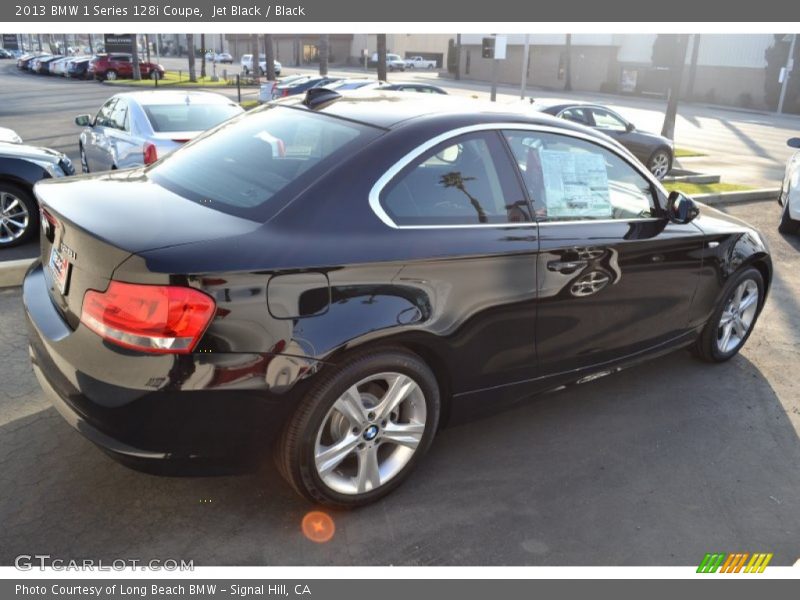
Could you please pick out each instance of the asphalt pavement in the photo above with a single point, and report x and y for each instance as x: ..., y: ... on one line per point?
x: 655, y: 465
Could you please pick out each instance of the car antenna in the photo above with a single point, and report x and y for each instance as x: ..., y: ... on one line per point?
x: 320, y: 97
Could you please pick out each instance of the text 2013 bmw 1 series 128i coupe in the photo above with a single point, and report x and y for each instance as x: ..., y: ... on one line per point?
x: 337, y: 276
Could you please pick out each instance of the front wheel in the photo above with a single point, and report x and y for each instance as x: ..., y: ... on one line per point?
x: 734, y: 318
x: 787, y: 224
x: 361, y: 431
x: 660, y: 163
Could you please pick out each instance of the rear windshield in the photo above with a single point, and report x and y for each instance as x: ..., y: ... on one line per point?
x: 251, y: 164
x: 188, y: 117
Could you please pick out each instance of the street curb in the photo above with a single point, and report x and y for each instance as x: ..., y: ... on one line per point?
x: 763, y: 195
x: 694, y: 178
x: 12, y: 271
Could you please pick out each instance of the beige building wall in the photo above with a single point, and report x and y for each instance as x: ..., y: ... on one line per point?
x: 402, y: 43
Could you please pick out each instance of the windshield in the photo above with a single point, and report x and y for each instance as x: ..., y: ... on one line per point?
x: 244, y: 167
x: 167, y: 118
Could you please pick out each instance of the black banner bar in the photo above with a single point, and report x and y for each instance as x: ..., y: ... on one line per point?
x: 194, y: 11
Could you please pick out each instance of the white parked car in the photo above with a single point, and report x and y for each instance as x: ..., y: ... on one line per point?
x: 417, y: 62
x: 9, y: 136
x: 789, y: 197
x: 247, y: 64
x: 137, y: 128
x: 219, y: 57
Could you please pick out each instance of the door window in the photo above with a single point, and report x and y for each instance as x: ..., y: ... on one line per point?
x: 604, y: 119
x: 464, y: 181
x: 119, y: 115
x: 568, y: 178
x: 103, y: 118
x: 576, y: 115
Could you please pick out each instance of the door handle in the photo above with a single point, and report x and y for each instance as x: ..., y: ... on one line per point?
x: 566, y: 266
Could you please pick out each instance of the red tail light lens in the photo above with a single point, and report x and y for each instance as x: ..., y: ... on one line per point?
x: 284, y: 92
x: 150, y: 153
x: 150, y: 318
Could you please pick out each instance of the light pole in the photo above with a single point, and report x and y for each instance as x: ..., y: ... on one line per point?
x: 525, y: 55
x: 787, y: 73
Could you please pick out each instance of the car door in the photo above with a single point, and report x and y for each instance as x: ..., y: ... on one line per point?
x: 615, y: 277
x: 98, y: 143
x: 462, y: 201
x: 124, y: 149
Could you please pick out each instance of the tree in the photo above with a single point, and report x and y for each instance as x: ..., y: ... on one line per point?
x: 324, y: 45
x: 269, y: 56
x: 568, y: 64
x: 91, y: 47
x: 256, y: 66
x: 382, y: 57
x: 680, y: 46
x: 137, y: 70
x: 190, y: 49
x: 203, y: 56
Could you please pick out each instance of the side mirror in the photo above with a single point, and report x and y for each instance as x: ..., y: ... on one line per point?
x: 793, y: 142
x: 629, y: 127
x: 681, y: 209
x: 83, y: 120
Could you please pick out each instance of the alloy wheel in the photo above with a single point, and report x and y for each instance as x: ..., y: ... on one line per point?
x: 14, y: 218
x: 370, y: 433
x: 659, y: 165
x: 738, y: 316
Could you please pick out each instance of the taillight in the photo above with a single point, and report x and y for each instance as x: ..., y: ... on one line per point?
x: 285, y: 92
x: 150, y: 153
x: 162, y: 319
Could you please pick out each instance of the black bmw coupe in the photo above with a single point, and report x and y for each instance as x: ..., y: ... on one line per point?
x: 335, y: 277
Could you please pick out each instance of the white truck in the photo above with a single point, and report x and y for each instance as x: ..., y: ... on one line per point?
x: 393, y: 61
x: 417, y: 62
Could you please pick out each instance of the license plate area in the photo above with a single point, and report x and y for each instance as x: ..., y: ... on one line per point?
x: 60, y: 269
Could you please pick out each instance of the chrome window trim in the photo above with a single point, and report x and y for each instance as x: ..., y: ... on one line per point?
x: 394, y: 170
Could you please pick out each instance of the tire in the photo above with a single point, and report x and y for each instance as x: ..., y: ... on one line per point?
x: 17, y: 206
x: 111, y: 75
x: 84, y: 161
x: 155, y: 75
x: 710, y: 345
x: 660, y: 163
x: 317, y: 425
x: 787, y: 224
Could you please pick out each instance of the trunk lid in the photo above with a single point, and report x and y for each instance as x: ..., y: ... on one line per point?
x: 91, y: 225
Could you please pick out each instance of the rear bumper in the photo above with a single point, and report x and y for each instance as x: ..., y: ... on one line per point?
x: 144, y: 407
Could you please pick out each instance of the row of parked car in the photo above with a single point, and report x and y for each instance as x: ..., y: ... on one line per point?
x: 105, y: 66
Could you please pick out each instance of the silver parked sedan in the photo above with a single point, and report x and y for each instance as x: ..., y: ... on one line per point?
x: 138, y: 128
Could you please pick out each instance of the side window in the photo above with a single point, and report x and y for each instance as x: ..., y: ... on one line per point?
x: 576, y: 115
x: 608, y: 120
x: 103, y: 117
x: 119, y: 115
x: 572, y: 179
x: 464, y: 181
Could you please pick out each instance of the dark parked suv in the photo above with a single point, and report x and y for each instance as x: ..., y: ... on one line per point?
x: 336, y: 277
x: 120, y: 66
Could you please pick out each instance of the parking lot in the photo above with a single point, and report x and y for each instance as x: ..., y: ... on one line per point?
x: 654, y: 465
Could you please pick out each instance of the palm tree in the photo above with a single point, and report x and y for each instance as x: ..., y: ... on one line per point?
x: 324, y: 45
x: 269, y: 56
x: 203, y: 57
x: 676, y: 78
x: 256, y: 64
x: 381, y: 57
x: 137, y: 70
x: 190, y: 50
x: 456, y: 179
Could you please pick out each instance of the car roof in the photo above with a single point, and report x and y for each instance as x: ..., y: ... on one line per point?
x: 150, y: 97
x: 388, y: 109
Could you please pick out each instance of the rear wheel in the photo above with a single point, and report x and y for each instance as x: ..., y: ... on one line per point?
x: 155, y: 75
x: 732, y: 322
x: 361, y: 431
x: 111, y: 75
x: 19, y: 215
x: 660, y: 163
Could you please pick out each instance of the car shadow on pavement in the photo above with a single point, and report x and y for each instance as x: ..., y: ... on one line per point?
x: 654, y: 465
